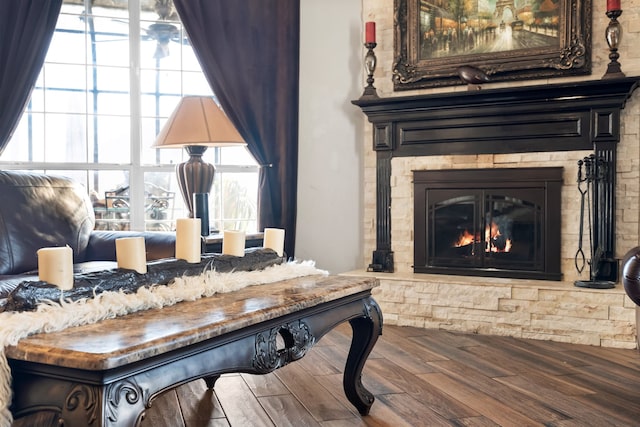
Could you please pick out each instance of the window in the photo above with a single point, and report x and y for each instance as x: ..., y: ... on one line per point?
x: 113, y: 74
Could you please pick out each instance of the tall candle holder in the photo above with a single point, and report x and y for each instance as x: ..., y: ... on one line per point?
x: 613, y: 34
x: 370, y: 65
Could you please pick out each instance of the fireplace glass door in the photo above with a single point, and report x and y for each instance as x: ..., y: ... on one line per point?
x: 501, y: 228
x: 485, y: 230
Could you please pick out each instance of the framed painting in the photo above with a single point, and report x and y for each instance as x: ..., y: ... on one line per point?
x: 505, y: 39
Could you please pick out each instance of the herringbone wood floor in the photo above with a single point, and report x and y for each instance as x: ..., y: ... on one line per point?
x: 424, y: 378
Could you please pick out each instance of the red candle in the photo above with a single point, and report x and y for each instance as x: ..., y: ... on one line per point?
x: 370, y: 30
x: 613, y: 5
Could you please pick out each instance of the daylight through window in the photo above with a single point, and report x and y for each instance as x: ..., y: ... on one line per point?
x: 114, y: 72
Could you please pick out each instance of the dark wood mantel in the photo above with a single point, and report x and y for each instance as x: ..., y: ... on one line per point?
x: 557, y: 117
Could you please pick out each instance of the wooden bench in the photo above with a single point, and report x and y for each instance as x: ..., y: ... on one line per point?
x: 108, y: 373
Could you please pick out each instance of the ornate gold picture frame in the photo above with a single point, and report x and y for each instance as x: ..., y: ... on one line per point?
x: 504, y: 39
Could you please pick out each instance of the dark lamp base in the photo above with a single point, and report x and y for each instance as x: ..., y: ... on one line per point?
x: 194, y: 176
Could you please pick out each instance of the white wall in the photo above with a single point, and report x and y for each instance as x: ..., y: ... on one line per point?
x: 330, y: 208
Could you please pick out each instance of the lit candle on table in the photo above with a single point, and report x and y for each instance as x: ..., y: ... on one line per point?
x: 233, y: 243
x: 274, y: 239
x: 188, y: 244
x: 613, y: 5
x: 370, y: 31
x: 55, y: 266
x: 131, y: 254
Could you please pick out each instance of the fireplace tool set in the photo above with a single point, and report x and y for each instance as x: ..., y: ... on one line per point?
x: 590, y: 183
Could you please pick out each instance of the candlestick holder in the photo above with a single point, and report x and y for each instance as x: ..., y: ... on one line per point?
x: 613, y: 34
x: 370, y: 65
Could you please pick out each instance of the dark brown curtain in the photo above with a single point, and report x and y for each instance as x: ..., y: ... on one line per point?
x: 249, y: 51
x: 26, y: 29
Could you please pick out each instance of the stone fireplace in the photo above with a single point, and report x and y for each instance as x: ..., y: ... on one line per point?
x: 525, y: 127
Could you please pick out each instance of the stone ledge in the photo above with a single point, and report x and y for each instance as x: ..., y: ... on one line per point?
x: 545, y: 310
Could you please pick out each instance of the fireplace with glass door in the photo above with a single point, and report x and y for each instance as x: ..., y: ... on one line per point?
x: 488, y: 222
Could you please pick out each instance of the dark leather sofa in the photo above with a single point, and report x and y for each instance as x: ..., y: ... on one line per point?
x: 38, y: 210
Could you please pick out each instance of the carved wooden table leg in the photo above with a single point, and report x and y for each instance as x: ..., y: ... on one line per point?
x: 366, y: 331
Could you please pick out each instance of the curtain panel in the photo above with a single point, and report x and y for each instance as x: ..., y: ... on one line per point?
x: 249, y: 52
x: 26, y: 29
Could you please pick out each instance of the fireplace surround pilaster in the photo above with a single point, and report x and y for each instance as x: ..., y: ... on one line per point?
x: 557, y: 117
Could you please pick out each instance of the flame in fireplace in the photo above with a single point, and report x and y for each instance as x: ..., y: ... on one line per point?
x: 465, y: 239
x: 494, y: 240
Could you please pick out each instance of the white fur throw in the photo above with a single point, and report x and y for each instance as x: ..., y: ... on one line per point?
x: 56, y: 316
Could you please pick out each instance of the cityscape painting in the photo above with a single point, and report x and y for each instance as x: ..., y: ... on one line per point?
x: 506, y: 39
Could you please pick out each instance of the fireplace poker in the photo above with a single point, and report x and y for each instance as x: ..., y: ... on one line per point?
x: 580, y: 260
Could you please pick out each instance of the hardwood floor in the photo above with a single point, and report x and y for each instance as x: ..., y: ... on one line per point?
x: 424, y: 378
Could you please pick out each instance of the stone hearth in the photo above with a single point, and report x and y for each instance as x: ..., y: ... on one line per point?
x: 534, y: 309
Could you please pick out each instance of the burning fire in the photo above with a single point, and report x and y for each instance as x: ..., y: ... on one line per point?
x: 494, y: 240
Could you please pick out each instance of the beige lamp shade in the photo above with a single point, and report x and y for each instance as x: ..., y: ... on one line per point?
x: 197, y: 123
x: 197, y: 120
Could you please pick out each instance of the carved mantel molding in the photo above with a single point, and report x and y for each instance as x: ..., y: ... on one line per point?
x: 557, y: 117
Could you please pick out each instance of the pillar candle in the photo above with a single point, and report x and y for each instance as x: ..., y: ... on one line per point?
x: 613, y: 5
x: 131, y: 254
x: 188, y: 245
x: 274, y: 239
x: 233, y: 243
x: 55, y: 266
x: 370, y: 31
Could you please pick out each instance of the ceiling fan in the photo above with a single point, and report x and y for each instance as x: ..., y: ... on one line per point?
x: 163, y: 31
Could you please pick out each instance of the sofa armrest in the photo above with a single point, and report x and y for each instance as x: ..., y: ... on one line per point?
x: 102, y: 244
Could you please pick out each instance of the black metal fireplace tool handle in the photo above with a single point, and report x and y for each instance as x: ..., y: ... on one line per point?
x: 580, y: 259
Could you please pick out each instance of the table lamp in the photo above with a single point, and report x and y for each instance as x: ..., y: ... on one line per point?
x: 195, y: 124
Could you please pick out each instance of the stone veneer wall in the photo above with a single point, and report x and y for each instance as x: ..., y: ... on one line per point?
x: 531, y: 309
